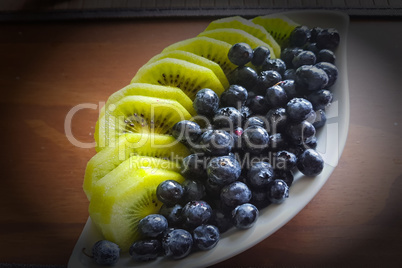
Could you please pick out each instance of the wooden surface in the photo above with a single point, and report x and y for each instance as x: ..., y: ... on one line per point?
x: 47, y: 69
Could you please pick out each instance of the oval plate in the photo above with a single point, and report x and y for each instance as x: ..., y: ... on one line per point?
x: 331, y: 141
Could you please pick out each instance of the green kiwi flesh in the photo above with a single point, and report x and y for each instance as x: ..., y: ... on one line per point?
x: 279, y: 26
x: 196, y: 59
x: 248, y: 26
x: 137, y: 114
x: 117, y: 210
x: 135, y: 147
x: 206, y: 47
x: 185, y: 75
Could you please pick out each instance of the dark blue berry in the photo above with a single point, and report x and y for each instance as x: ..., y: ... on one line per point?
x: 320, y: 119
x: 304, y: 58
x: 278, y: 191
x: 244, y: 216
x: 312, y: 47
x: 277, y: 141
x: 300, y: 133
x: 311, y: 77
x: 177, y: 243
x: 287, y: 55
x: 255, y: 121
x: 298, y: 109
x: 285, y: 160
x: 206, y: 236
x: 106, y: 252
x: 193, y: 166
x: 152, y: 225
x: 285, y: 175
x: 258, y: 104
x: 274, y: 65
x: 331, y: 71
x: 276, y: 96
x: 312, y: 144
x: 221, y: 219
x: 277, y: 119
x: 206, y: 102
x: 245, y: 111
x: 243, y: 76
x: 300, y: 36
x: 193, y: 190
x: 328, y: 38
x: 169, y: 192
x: 314, y: 33
x: 255, y: 139
x: 290, y: 88
x: 186, y: 131
x: 227, y: 118
x: 223, y: 170
x: 260, y: 199
x: 311, y: 117
x: 310, y: 163
x: 172, y: 214
x: 260, y: 54
x: 326, y: 55
x: 265, y: 80
x: 216, y: 142
x: 290, y: 74
x: 234, y: 96
x: 235, y: 194
x: 212, y: 188
x: 240, y: 54
x: 236, y: 134
x: 320, y: 99
x: 195, y: 213
x: 260, y: 175
x: 145, y: 250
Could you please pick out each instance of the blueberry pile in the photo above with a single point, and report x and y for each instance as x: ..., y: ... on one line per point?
x: 246, y: 145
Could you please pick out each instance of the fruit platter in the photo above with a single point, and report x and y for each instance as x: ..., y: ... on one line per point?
x: 218, y: 141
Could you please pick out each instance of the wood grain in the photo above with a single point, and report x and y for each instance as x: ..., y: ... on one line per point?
x: 48, y: 69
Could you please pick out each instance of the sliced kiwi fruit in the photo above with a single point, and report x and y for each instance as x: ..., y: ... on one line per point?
x: 118, y: 209
x: 248, y: 26
x: 185, y: 75
x: 137, y: 114
x: 134, y: 146
x: 196, y: 59
x: 279, y: 26
x: 150, y: 90
x: 206, y: 47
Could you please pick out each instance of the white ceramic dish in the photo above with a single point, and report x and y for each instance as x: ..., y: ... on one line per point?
x: 331, y: 142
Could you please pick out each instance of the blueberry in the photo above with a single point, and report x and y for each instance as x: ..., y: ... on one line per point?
x: 193, y: 166
x: 326, y: 55
x: 152, y: 225
x: 216, y: 142
x: 304, y: 58
x: 245, y: 111
x: 258, y: 104
x: 312, y: 144
x: 172, y: 214
x: 235, y: 194
x: 320, y: 119
x: 277, y: 141
x: 289, y: 74
x: 285, y: 160
x: 223, y: 170
x: 312, y: 47
x: 290, y: 88
x: 274, y: 65
x: 311, y: 117
x: 206, y: 236
x: 328, y: 38
x: 287, y: 55
x: 106, y: 252
x: 243, y: 76
x: 240, y: 54
x: 234, y: 96
x: 278, y: 191
x: 320, y: 99
x: 276, y: 96
x: 221, y: 219
x: 195, y: 213
x: 145, y: 250
x: 300, y: 133
x: 331, y: 71
x: 255, y: 139
x: 186, y: 131
x: 259, y: 198
x: 177, y: 243
x: 260, y: 175
x: 310, y: 163
x: 212, y: 188
x: 206, y: 102
x: 285, y: 175
x: 277, y: 119
x: 311, y: 77
x: 260, y: 54
x: 193, y: 190
x: 314, y: 33
x: 298, y: 109
x: 265, y: 80
x: 236, y: 134
x: 300, y: 36
x: 255, y: 121
x: 227, y: 118
x: 169, y: 192
x: 244, y: 216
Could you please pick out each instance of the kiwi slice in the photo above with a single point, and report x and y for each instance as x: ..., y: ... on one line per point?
x: 150, y: 90
x: 133, y: 146
x: 137, y: 114
x: 118, y: 209
x: 185, y: 75
x: 193, y: 58
x: 279, y: 26
x: 206, y: 47
x: 233, y: 36
x: 256, y: 30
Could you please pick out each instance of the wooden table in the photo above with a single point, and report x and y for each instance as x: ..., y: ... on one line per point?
x: 49, y: 68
